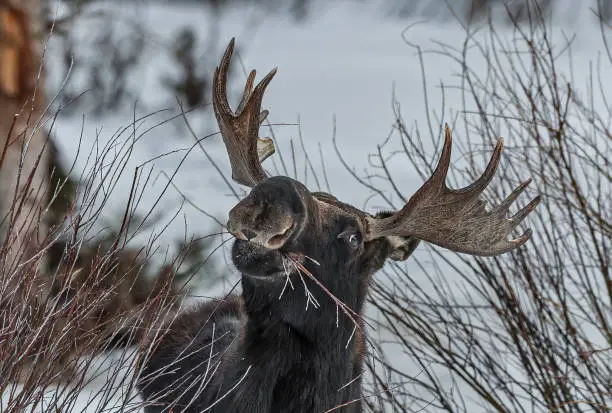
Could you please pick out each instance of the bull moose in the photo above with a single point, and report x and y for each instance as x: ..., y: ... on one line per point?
x: 294, y: 340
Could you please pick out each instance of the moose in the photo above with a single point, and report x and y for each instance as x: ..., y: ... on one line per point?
x: 294, y: 339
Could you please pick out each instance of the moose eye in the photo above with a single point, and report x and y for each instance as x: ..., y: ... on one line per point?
x: 354, y: 240
x: 352, y: 237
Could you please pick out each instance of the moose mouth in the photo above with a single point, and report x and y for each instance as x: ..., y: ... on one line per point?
x: 258, y: 261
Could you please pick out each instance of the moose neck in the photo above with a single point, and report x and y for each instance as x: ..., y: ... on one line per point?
x: 308, y: 344
x: 316, y: 349
x: 314, y: 311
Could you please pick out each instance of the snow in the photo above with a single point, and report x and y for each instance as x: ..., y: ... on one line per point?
x: 337, y: 71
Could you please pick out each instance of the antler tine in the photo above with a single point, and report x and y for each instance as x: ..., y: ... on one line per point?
x: 457, y: 219
x: 220, y: 79
x: 438, y: 178
x: 517, y: 218
x: 248, y: 88
x: 240, y: 129
x: 505, y: 205
x: 483, y: 181
x: 440, y: 173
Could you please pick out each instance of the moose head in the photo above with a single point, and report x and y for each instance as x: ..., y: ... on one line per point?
x: 281, y: 220
x: 284, y: 345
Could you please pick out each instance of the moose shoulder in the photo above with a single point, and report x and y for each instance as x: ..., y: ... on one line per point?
x: 294, y: 340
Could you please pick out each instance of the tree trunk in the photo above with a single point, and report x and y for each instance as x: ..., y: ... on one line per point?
x: 23, y: 149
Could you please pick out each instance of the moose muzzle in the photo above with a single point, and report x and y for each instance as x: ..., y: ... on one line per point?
x: 266, y: 224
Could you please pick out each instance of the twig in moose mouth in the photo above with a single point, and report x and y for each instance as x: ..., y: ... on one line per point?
x: 293, y: 259
x: 287, y: 280
x: 309, y: 296
x: 351, y: 336
x: 296, y: 260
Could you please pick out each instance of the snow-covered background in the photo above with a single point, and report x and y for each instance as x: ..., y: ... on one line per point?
x: 338, y: 72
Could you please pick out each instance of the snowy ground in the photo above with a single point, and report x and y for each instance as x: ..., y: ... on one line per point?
x: 343, y: 64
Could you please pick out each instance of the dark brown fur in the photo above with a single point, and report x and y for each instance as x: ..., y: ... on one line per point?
x: 264, y: 351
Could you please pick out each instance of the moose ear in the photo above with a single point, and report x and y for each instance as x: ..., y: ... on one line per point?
x: 402, y: 247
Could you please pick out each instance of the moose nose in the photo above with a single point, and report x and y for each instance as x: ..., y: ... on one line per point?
x: 271, y: 240
x: 238, y: 232
x: 248, y: 233
x: 271, y: 233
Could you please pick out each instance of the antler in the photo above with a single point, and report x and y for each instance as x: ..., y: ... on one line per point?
x: 240, y: 130
x: 457, y: 218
